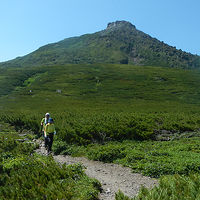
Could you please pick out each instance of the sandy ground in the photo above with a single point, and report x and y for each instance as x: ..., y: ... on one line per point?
x: 113, y: 177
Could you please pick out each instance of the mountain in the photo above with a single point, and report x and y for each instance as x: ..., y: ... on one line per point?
x: 99, y: 86
x: 119, y: 43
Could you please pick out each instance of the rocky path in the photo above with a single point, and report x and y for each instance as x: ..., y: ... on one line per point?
x: 113, y: 177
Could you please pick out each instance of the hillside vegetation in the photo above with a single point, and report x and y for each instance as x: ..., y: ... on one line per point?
x: 117, y: 95
x: 92, y: 102
x: 119, y: 43
x: 102, y: 83
x: 26, y: 175
x: 109, y: 112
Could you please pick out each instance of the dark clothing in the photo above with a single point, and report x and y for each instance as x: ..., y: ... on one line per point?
x: 46, y: 141
x: 49, y: 141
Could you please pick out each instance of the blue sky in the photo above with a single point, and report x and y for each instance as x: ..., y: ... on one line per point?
x: 27, y: 25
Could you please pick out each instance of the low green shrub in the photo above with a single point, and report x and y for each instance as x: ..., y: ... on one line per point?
x: 106, y: 153
x: 173, y: 187
x: 151, y: 158
x: 26, y: 175
x: 60, y: 147
x: 85, y: 128
x: 120, y: 196
x: 170, y: 187
x: 38, y: 177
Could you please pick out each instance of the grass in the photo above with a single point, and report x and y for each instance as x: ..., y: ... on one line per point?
x: 151, y: 158
x: 170, y: 187
x: 26, y: 175
x: 176, y: 163
x: 112, y: 113
x: 101, y: 102
x: 118, y: 84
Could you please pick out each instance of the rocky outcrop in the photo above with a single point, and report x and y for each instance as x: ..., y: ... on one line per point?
x: 120, y: 24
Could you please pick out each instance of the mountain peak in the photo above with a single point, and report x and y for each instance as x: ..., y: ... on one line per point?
x: 120, y: 42
x: 119, y: 24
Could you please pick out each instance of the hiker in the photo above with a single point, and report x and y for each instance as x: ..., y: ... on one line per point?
x: 44, y: 122
x: 49, y: 133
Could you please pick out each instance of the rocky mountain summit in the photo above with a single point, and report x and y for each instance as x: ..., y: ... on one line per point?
x: 119, y: 43
x: 120, y: 24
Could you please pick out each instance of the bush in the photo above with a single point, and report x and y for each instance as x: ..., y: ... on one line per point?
x: 26, y: 175
x: 173, y: 187
x: 170, y: 187
x: 106, y: 153
x: 35, y: 177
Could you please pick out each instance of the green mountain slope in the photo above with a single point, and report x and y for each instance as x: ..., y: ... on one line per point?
x: 119, y: 43
x: 100, y: 86
x: 120, y: 101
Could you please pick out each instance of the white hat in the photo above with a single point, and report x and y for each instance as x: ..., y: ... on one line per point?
x: 47, y: 114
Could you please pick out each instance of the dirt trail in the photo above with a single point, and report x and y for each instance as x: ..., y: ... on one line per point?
x: 113, y: 177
